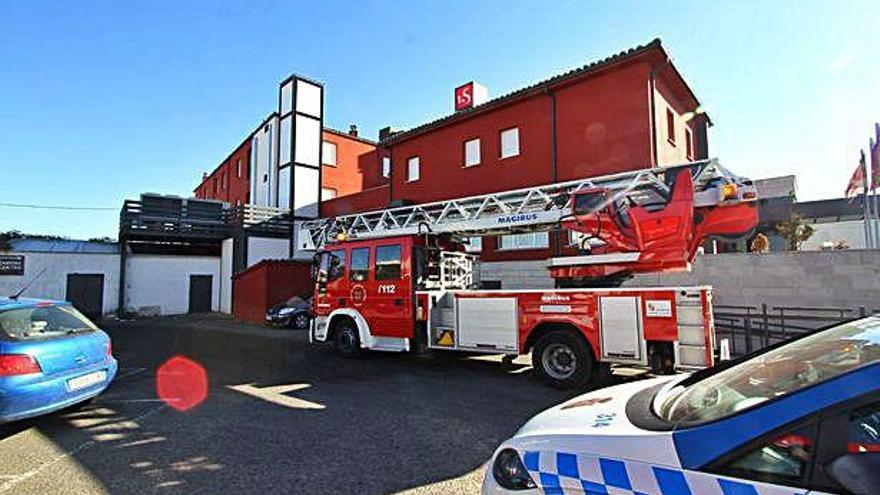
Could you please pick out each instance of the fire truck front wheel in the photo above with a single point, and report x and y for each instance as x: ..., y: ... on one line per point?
x: 345, y: 339
x: 561, y: 359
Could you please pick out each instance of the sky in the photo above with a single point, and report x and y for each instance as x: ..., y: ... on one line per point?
x: 101, y: 101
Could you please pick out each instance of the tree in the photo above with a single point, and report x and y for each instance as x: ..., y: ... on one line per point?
x: 795, y: 231
x: 6, y: 237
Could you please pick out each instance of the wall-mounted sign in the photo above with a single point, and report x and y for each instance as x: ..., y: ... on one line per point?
x: 661, y: 308
x: 470, y: 95
x: 11, y: 264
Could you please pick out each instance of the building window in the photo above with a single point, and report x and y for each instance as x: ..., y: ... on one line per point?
x: 328, y: 156
x: 510, y: 142
x: 474, y: 245
x: 471, y: 152
x: 386, y: 166
x: 535, y: 240
x: 689, y: 143
x: 327, y: 193
x: 387, y: 262
x: 670, y: 126
x: 238, y: 168
x: 224, y: 181
x: 412, y: 169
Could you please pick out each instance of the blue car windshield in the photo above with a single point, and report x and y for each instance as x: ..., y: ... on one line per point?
x: 41, y: 322
x: 772, y: 374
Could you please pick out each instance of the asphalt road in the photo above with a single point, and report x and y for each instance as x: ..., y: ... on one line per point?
x: 281, y: 416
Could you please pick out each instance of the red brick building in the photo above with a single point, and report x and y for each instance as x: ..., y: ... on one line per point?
x: 350, y: 165
x: 630, y: 111
x: 230, y: 181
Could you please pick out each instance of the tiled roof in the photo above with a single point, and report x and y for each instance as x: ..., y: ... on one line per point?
x: 580, y: 71
x: 349, y: 136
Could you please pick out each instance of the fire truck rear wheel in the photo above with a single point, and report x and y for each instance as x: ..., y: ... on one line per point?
x: 561, y: 359
x: 346, y: 340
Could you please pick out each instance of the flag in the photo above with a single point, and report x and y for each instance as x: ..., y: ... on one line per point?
x: 858, y: 183
x: 875, y: 158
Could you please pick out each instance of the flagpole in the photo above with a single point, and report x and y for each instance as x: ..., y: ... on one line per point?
x: 876, y: 219
x: 866, y: 212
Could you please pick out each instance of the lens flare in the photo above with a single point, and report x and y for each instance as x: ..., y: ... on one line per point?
x: 182, y: 383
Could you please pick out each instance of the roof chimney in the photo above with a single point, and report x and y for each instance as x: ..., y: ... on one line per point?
x: 204, y: 175
x: 353, y: 130
x: 386, y: 132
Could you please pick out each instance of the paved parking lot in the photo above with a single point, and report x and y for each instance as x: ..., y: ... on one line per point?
x: 281, y: 417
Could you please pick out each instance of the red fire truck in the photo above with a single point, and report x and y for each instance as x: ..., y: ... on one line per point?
x: 400, y: 279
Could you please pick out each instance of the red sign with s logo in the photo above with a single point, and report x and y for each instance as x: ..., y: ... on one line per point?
x: 464, y: 96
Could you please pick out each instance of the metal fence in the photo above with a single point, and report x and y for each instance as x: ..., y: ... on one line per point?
x: 750, y: 328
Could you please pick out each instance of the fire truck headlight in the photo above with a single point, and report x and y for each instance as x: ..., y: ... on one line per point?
x: 510, y: 472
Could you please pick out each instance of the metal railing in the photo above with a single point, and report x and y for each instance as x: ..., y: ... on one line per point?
x: 164, y: 217
x: 750, y: 328
x: 169, y: 218
x: 266, y: 219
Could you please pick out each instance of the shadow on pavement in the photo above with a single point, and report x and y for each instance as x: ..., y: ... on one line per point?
x: 283, y: 416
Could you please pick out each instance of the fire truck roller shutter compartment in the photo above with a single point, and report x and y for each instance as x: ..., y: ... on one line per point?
x: 621, y: 328
x: 691, y: 328
x: 487, y: 323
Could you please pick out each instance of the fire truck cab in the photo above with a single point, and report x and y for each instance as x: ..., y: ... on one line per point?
x: 420, y: 293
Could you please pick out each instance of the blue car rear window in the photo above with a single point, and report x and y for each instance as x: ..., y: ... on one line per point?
x: 41, y: 322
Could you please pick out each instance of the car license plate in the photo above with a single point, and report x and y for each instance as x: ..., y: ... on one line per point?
x: 85, y: 381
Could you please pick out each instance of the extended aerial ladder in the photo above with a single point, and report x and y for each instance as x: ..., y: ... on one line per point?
x: 633, y: 222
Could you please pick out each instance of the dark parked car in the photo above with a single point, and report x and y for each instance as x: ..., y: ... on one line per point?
x: 295, y: 312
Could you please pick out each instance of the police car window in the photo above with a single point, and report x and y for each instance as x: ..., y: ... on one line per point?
x: 337, y: 265
x: 388, y: 262
x: 773, y: 374
x: 360, y: 264
x: 784, y: 458
x: 864, y: 430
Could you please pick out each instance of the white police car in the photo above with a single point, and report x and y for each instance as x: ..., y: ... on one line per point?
x: 802, y: 417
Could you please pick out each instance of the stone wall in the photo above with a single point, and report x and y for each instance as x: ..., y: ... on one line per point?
x: 517, y: 274
x: 845, y: 279
x: 849, y: 278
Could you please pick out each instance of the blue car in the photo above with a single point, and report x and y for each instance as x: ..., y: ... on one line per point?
x: 51, y: 357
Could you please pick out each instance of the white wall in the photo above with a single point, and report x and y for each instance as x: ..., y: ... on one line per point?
x: 52, y: 284
x: 226, y: 252
x: 162, y: 282
x: 263, y: 163
x: 266, y: 248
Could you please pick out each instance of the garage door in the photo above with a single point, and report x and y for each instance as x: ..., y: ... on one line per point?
x: 86, y: 292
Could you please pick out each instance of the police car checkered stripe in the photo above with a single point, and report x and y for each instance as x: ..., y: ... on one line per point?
x: 561, y: 473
